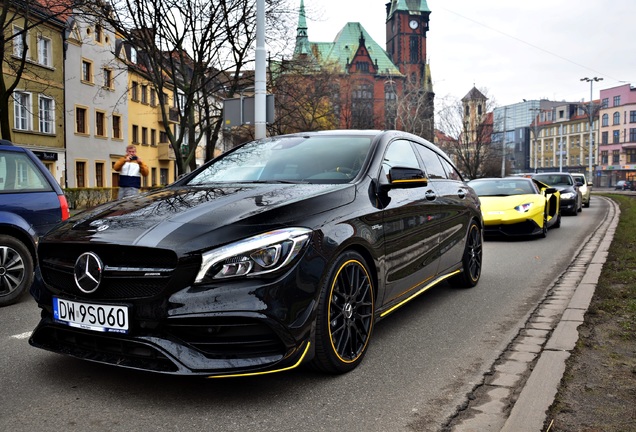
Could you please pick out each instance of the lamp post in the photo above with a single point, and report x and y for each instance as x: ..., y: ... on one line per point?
x: 590, y: 113
x: 536, y: 136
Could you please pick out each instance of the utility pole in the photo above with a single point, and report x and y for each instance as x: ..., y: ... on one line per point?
x: 536, y: 136
x: 503, y: 145
x: 590, y: 113
x: 260, y: 88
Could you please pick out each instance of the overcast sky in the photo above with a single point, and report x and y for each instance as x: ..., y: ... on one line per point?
x: 538, y: 49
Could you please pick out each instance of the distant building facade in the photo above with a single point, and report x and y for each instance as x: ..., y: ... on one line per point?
x: 377, y: 88
x: 617, y: 129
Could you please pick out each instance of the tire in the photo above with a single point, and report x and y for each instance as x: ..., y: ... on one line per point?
x: 471, y: 260
x: 16, y: 270
x: 544, y: 229
x: 345, y: 315
x: 557, y: 224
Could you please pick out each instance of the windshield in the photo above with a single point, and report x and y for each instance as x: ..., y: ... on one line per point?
x: 502, y: 187
x: 555, y: 179
x: 298, y: 159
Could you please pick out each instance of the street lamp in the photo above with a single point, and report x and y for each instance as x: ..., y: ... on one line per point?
x: 536, y: 135
x: 590, y: 113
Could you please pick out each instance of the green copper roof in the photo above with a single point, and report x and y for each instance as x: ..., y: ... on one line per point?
x: 343, y: 48
x: 412, y: 6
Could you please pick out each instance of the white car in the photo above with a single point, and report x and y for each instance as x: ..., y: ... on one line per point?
x: 585, y: 188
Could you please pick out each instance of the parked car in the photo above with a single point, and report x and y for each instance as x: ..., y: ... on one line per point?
x: 517, y: 206
x: 571, y: 197
x: 584, y: 186
x: 624, y: 185
x: 282, y: 251
x: 31, y: 203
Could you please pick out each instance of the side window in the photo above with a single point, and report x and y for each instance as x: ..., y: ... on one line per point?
x: 400, y: 153
x: 451, y: 171
x: 434, y: 167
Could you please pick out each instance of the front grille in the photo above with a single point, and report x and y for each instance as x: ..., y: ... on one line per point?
x: 226, y: 338
x: 524, y: 228
x: 102, y: 348
x: 129, y: 272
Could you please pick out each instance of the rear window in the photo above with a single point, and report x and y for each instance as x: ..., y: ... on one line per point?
x: 18, y: 173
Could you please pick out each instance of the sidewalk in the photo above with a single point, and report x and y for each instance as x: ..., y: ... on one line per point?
x: 528, y: 374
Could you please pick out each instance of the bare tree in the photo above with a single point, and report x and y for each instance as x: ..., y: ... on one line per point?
x: 471, y: 145
x: 304, y: 97
x: 415, y: 110
x: 197, y: 49
x: 17, y: 19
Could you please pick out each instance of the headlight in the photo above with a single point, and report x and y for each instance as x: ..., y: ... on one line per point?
x: 523, y: 208
x: 567, y: 195
x: 258, y: 255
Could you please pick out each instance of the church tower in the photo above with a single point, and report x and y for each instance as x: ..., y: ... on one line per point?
x: 406, y: 28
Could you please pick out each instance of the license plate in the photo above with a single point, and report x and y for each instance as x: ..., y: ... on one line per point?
x: 91, y: 316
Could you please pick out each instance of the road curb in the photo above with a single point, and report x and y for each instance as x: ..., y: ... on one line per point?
x: 523, y: 382
x: 530, y: 411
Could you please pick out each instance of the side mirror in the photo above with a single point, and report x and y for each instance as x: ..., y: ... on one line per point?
x: 406, y: 178
x: 550, y: 190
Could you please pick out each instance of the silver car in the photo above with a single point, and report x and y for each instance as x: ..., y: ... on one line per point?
x: 585, y: 188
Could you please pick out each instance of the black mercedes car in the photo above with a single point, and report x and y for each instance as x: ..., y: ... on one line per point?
x: 280, y: 252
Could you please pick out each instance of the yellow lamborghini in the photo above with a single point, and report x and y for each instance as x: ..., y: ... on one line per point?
x: 517, y: 206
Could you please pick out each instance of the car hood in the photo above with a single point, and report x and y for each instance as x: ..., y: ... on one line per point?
x: 193, y: 218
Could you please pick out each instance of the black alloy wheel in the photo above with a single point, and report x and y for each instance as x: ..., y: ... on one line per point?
x: 471, y: 260
x: 345, y: 315
x: 16, y: 270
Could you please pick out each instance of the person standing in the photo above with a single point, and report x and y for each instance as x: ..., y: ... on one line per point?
x: 131, y: 168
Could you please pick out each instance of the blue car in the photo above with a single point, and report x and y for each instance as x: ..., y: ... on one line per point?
x: 31, y: 203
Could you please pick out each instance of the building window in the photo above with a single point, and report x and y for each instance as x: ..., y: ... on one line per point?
x: 134, y: 91
x: 163, y: 137
x: 153, y: 97
x: 22, y: 111
x: 135, y: 134
x: 144, y: 94
x: 617, y: 118
x: 616, y: 156
x: 163, y: 176
x: 605, y: 103
x: 100, y: 124
x: 604, y: 138
x: 80, y: 174
x: 362, y: 106
x: 616, y: 137
x: 47, y: 115
x: 362, y: 66
x: 87, y: 71
x: 604, y: 157
x: 144, y: 135
x: 630, y: 156
x: 108, y: 78
x: 99, y: 174
x: 617, y: 101
x: 81, y: 120
x: 153, y: 137
x: 99, y: 34
x: 19, y: 41
x: 632, y: 135
x: 605, y: 120
x: 44, y: 51
x: 153, y: 176
x: 414, y: 49
x: 117, y: 127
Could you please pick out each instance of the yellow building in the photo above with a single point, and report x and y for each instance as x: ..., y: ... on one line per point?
x: 146, y: 128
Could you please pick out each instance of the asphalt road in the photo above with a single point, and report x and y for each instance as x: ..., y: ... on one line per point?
x: 422, y: 362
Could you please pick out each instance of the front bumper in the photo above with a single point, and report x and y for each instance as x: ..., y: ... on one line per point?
x: 234, y: 328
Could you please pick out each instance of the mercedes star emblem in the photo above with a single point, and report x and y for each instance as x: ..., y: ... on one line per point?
x: 88, y: 272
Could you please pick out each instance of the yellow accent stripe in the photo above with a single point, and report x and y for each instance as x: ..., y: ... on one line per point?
x: 266, y: 372
x: 427, y: 287
x: 410, y: 181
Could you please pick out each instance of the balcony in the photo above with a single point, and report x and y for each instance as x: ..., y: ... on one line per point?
x: 165, y: 152
x: 173, y: 115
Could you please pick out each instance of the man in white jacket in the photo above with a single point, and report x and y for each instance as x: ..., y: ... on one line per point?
x: 130, y: 168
